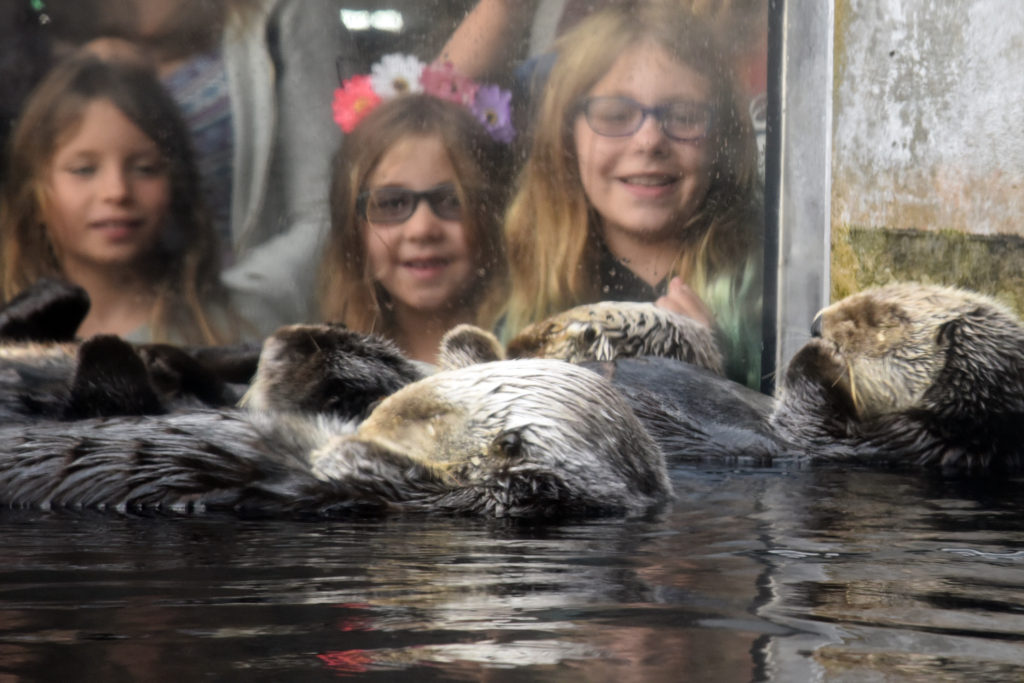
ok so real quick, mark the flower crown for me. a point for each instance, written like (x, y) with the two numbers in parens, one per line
(398, 74)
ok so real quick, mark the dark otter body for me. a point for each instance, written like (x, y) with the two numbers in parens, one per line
(105, 376)
(45, 373)
(693, 413)
(515, 438)
(327, 369)
(48, 311)
(313, 368)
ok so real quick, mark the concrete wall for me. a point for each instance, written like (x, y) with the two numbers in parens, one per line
(928, 137)
(929, 115)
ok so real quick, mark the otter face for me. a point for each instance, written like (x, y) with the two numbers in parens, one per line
(608, 330)
(513, 438)
(326, 369)
(885, 344)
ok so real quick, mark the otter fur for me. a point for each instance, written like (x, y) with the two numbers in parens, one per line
(909, 374)
(532, 438)
(691, 412)
(48, 311)
(327, 368)
(105, 376)
(47, 373)
(608, 330)
(916, 374)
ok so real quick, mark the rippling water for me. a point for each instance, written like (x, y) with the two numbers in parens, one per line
(751, 574)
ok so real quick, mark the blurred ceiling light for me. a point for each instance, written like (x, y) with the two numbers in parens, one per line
(381, 20)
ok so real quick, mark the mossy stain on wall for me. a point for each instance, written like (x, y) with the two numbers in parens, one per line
(865, 257)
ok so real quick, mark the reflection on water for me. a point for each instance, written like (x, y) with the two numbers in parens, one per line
(753, 574)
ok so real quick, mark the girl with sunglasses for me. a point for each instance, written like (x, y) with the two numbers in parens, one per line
(415, 245)
(642, 182)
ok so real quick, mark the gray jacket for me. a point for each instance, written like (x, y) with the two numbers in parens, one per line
(283, 61)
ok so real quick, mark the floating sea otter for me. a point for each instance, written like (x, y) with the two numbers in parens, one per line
(46, 373)
(918, 374)
(690, 409)
(911, 374)
(608, 330)
(512, 438)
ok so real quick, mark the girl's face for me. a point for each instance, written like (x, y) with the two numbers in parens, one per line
(645, 184)
(424, 261)
(109, 191)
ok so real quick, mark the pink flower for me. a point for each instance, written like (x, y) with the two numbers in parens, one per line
(442, 81)
(354, 100)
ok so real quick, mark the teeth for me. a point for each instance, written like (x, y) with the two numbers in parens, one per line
(648, 180)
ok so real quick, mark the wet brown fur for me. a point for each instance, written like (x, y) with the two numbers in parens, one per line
(608, 330)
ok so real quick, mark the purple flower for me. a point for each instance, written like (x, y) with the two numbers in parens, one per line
(492, 106)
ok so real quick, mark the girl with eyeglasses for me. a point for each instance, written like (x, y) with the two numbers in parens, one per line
(415, 245)
(641, 182)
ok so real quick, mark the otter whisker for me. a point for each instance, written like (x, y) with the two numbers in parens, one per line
(853, 387)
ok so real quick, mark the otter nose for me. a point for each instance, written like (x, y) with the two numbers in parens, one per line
(816, 326)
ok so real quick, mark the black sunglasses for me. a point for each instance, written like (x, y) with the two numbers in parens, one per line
(397, 204)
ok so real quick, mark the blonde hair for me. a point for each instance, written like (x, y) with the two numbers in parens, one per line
(551, 227)
(187, 268)
(348, 291)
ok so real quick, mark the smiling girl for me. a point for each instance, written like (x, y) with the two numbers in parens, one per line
(102, 190)
(415, 245)
(641, 183)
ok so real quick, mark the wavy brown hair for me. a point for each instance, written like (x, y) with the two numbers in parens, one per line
(552, 231)
(185, 272)
(348, 292)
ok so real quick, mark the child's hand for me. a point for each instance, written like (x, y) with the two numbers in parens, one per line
(118, 49)
(683, 300)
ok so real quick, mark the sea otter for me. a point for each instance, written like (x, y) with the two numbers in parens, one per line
(47, 373)
(916, 374)
(48, 311)
(105, 376)
(530, 438)
(608, 330)
(327, 368)
(912, 374)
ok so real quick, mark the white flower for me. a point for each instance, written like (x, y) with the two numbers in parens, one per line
(396, 74)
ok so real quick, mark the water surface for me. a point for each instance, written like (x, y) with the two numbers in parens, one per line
(778, 574)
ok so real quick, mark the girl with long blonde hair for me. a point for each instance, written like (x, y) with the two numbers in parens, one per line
(641, 182)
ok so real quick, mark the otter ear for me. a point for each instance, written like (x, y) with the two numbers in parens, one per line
(948, 333)
(508, 444)
(466, 345)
